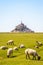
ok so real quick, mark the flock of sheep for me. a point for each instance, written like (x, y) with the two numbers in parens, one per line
(28, 51)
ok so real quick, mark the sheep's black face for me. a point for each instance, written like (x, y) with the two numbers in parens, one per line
(39, 57)
(8, 56)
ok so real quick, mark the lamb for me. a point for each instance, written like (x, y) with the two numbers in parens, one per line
(32, 52)
(15, 48)
(3, 47)
(9, 52)
(39, 43)
(21, 46)
(37, 47)
(10, 42)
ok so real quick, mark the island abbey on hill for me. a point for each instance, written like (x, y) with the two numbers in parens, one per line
(21, 28)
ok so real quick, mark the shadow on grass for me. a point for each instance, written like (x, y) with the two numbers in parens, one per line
(13, 56)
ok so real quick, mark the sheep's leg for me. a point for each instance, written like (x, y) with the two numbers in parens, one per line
(12, 53)
(28, 56)
(13, 43)
(34, 57)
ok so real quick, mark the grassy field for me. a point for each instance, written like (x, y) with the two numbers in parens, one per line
(29, 40)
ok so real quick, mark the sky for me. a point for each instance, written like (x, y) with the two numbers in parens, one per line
(12, 12)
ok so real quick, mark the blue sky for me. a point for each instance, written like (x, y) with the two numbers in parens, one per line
(13, 11)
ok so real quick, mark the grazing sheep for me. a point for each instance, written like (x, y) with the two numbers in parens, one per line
(21, 46)
(3, 47)
(15, 48)
(10, 42)
(39, 43)
(32, 52)
(9, 52)
(37, 47)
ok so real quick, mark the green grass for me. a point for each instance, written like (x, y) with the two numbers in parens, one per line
(29, 40)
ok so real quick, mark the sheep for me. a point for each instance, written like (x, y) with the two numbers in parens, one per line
(15, 48)
(36, 47)
(9, 52)
(39, 43)
(3, 47)
(21, 46)
(10, 42)
(32, 52)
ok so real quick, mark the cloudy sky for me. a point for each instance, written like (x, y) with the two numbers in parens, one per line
(12, 12)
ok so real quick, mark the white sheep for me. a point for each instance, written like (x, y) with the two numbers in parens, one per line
(32, 52)
(3, 47)
(39, 43)
(10, 42)
(22, 46)
(9, 52)
(15, 48)
(37, 47)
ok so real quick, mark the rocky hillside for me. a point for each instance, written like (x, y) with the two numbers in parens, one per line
(21, 28)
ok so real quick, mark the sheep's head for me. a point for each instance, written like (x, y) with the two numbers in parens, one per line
(39, 57)
(8, 56)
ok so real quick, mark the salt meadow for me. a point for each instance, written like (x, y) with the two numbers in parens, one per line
(19, 58)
